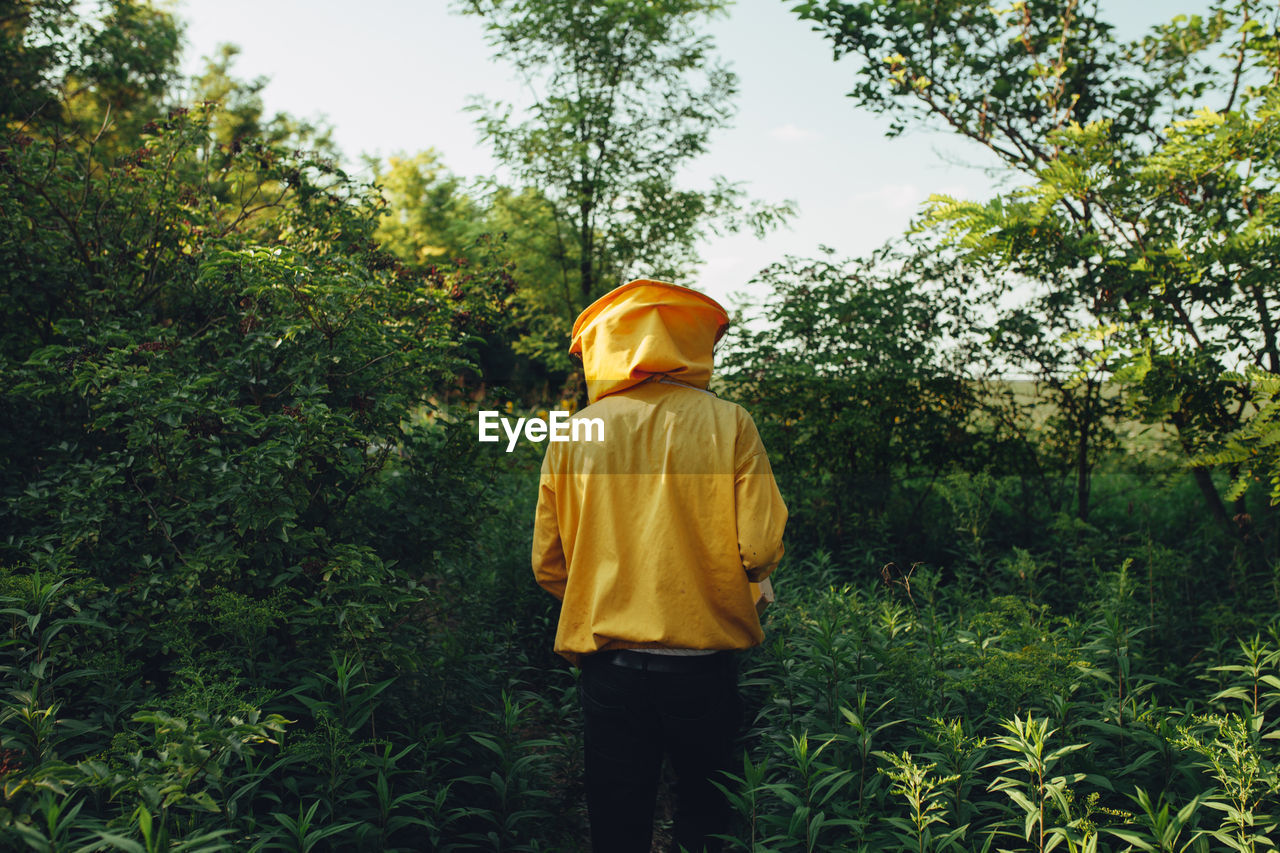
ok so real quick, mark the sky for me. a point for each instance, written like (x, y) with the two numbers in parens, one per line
(393, 76)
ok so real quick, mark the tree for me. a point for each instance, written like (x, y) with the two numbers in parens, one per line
(540, 321)
(625, 92)
(1149, 166)
(429, 218)
(1070, 421)
(860, 394)
(30, 51)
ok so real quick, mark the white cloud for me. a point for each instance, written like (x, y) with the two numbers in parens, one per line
(895, 197)
(956, 191)
(790, 133)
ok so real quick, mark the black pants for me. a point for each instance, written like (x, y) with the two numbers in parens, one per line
(633, 716)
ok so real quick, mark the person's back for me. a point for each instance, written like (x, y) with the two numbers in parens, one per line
(650, 517)
(651, 537)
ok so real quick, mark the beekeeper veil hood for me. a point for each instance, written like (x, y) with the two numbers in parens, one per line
(644, 328)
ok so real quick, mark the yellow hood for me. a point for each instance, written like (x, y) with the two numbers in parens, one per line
(645, 328)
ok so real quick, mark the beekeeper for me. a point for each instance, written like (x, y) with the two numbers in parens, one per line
(655, 540)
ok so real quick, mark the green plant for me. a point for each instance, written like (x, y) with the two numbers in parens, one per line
(926, 828)
(1031, 784)
(811, 790)
(1161, 829)
(301, 833)
(1229, 748)
(959, 756)
(1256, 686)
(513, 790)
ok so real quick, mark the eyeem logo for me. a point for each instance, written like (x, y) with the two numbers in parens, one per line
(559, 427)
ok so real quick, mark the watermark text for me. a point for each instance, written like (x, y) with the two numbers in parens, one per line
(557, 427)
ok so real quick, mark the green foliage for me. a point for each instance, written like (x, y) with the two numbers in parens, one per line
(1030, 787)
(428, 216)
(30, 56)
(853, 387)
(260, 589)
(233, 475)
(508, 812)
(1004, 75)
(1146, 216)
(1228, 748)
(1253, 450)
(1061, 767)
(924, 794)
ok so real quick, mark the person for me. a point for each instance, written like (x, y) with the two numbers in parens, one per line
(653, 538)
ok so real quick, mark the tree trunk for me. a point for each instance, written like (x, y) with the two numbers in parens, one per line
(1084, 473)
(1213, 502)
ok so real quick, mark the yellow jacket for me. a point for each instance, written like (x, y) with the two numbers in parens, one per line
(652, 536)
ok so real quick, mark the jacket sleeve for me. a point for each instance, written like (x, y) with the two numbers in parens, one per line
(762, 516)
(549, 567)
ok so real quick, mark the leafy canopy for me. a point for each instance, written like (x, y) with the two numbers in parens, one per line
(1147, 201)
